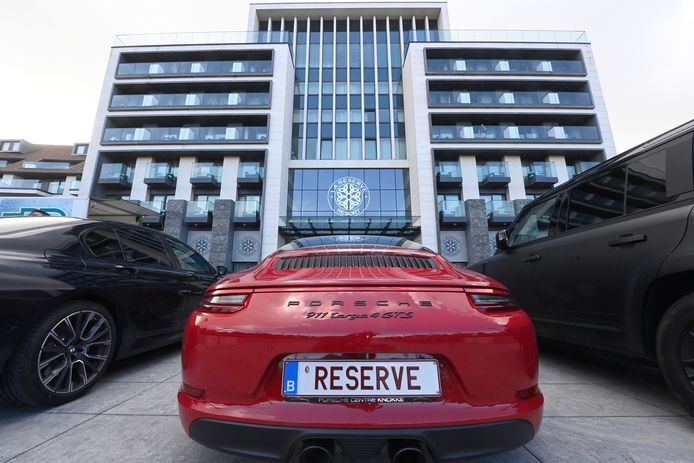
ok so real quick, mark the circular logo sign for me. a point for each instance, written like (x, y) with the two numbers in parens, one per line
(247, 246)
(348, 196)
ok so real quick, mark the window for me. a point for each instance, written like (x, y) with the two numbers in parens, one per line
(535, 224)
(9, 146)
(80, 149)
(188, 259)
(143, 248)
(597, 200)
(103, 244)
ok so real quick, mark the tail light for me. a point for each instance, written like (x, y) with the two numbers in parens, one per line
(227, 303)
(491, 301)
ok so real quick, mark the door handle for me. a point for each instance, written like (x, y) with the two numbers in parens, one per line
(128, 270)
(532, 258)
(628, 239)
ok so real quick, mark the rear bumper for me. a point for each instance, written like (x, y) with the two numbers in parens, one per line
(279, 443)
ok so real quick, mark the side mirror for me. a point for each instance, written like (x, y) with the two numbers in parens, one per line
(222, 270)
(502, 239)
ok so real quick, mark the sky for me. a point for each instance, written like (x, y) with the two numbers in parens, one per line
(53, 54)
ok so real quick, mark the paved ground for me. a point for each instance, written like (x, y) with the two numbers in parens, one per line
(595, 411)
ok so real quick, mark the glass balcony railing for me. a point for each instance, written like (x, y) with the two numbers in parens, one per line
(529, 133)
(50, 165)
(448, 169)
(185, 134)
(498, 35)
(201, 38)
(504, 66)
(156, 206)
(251, 170)
(499, 208)
(3, 163)
(164, 68)
(247, 209)
(199, 208)
(156, 170)
(539, 169)
(580, 167)
(207, 170)
(75, 185)
(174, 100)
(56, 187)
(517, 98)
(452, 208)
(116, 171)
(492, 169)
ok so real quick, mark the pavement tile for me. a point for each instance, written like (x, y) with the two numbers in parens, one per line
(554, 375)
(521, 455)
(593, 400)
(617, 440)
(118, 438)
(101, 397)
(159, 400)
(24, 430)
(175, 379)
(154, 371)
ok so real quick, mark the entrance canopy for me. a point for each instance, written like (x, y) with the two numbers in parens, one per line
(302, 227)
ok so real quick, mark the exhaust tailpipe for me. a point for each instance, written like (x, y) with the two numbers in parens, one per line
(316, 452)
(409, 451)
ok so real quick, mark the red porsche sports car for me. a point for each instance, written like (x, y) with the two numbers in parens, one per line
(359, 348)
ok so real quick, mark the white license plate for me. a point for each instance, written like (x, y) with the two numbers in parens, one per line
(400, 378)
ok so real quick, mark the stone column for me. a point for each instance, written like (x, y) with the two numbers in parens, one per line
(477, 231)
(519, 204)
(175, 219)
(222, 233)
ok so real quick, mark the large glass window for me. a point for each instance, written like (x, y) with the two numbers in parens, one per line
(597, 200)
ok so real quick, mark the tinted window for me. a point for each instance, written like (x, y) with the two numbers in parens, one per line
(103, 243)
(143, 248)
(597, 200)
(535, 224)
(188, 259)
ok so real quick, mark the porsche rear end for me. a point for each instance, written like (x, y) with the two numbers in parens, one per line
(359, 356)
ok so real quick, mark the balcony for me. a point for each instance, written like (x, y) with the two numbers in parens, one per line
(201, 38)
(46, 165)
(247, 212)
(39, 187)
(580, 167)
(158, 206)
(540, 175)
(250, 175)
(161, 174)
(466, 133)
(178, 135)
(116, 173)
(493, 174)
(199, 212)
(500, 212)
(452, 213)
(448, 174)
(206, 175)
(188, 100)
(195, 68)
(462, 98)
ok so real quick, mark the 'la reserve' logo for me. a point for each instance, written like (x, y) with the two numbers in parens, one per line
(348, 196)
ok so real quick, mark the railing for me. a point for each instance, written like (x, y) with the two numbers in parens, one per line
(30, 184)
(452, 208)
(247, 208)
(251, 169)
(503, 35)
(448, 168)
(52, 165)
(492, 169)
(580, 167)
(75, 185)
(156, 206)
(160, 170)
(500, 98)
(173, 100)
(116, 171)
(163, 68)
(504, 66)
(529, 133)
(201, 38)
(184, 134)
(199, 208)
(499, 208)
(540, 169)
(207, 169)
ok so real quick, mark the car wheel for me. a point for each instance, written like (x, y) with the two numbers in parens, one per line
(62, 357)
(675, 350)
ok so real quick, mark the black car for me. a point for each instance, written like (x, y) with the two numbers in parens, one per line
(607, 259)
(76, 294)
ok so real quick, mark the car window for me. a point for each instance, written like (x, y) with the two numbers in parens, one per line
(597, 200)
(103, 244)
(143, 248)
(535, 224)
(188, 259)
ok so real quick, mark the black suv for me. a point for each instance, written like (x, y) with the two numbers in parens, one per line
(607, 259)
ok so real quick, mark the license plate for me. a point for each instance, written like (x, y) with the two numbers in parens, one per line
(410, 378)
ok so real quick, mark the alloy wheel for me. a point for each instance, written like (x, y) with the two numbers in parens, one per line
(75, 350)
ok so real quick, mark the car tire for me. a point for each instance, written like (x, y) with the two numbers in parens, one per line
(62, 357)
(675, 350)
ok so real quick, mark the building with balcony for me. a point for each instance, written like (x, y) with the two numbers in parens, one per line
(357, 118)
